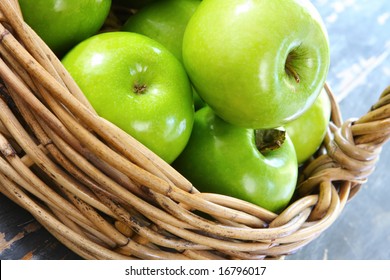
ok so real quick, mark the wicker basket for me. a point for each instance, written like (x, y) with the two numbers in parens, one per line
(105, 196)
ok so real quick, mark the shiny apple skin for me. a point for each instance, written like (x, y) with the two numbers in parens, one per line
(164, 21)
(137, 84)
(308, 131)
(235, 52)
(223, 158)
(64, 23)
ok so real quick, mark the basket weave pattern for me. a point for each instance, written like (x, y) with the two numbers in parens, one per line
(105, 196)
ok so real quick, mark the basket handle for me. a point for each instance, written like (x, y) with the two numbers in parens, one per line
(352, 147)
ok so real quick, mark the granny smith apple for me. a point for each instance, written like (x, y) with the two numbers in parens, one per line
(227, 159)
(165, 21)
(137, 84)
(258, 64)
(308, 131)
(64, 23)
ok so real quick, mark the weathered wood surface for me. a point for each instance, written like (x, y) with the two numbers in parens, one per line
(22, 237)
(359, 32)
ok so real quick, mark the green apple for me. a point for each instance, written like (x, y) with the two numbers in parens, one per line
(308, 131)
(164, 21)
(137, 84)
(227, 159)
(64, 23)
(258, 64)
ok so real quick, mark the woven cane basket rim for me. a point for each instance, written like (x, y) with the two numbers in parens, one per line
(105, 196)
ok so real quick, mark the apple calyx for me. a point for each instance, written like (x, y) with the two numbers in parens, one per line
(269, 139)
(139, 88)
(289, 68)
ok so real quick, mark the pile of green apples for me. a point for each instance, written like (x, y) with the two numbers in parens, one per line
(230, 92)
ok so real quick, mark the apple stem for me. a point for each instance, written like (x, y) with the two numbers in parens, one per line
(291, 71)
(269, 139)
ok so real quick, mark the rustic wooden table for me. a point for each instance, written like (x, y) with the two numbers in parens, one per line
(359, 33)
